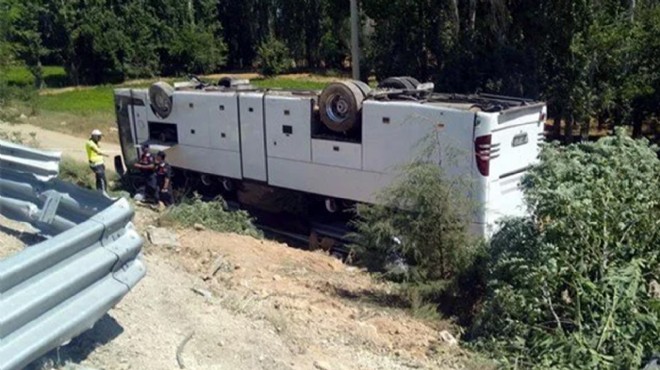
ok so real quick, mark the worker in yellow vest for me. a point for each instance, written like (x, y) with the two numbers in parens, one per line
(95, 158)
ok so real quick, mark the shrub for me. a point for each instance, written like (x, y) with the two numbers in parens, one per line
(273, 57)
(568, 286)
(430, 217)
(213, 215)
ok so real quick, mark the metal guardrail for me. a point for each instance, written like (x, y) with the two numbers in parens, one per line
(55, 290)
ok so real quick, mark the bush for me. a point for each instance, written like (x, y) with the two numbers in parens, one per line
(213, 215)
(569, 286)
(430, 217)
(273, 57)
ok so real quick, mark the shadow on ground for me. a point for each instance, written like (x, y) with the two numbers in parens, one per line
(26, 238)
(103, 332)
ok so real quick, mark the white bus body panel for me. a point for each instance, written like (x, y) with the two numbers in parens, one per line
(139, 113)
(337, 153)
(211, 161)
(288, 127)
(253, 144)
(331, 181)
(396, 133)
(208, 133)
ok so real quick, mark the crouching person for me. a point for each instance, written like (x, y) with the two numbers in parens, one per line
(163, 171)
(146, 166)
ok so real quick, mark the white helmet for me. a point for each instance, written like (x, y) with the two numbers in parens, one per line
(96, 133)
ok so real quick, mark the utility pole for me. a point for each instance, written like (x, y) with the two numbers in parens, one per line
(355, 40)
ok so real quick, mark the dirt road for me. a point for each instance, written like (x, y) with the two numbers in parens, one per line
(70, 146)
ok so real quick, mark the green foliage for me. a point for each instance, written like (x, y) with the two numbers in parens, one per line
(568, 287)
(25, 33)
(429, 214)
(273, 57)
(197, 50)
(214, 215)
(54, 76)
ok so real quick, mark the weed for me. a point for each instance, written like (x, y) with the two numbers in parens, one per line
(76, 172)
(214, 215)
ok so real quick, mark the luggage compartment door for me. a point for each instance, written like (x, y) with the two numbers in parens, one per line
(253, 138)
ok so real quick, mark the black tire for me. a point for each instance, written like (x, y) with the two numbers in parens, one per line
(362, 86)
(340, 106)
(399, 83)
(413, 81)
(160, 96)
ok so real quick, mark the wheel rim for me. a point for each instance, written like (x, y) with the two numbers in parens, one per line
(227, 185)
(206, 180)
(330, 205)
(337, 108)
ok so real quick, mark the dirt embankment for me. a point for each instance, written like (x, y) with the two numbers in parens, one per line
(255, 304)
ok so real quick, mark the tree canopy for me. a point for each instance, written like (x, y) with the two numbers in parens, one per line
(589, 59)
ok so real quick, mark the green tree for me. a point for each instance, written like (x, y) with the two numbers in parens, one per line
(569, 285)
(273, 57)
(25, 34)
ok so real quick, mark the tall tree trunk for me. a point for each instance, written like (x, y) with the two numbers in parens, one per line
(37, 72)
(568, 129)
(601, 121)
(637, 128)
(472, 16)
(456, 15)
(584, 130)
(556, 127)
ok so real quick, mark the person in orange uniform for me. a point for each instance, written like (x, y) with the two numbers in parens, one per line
(95, 157)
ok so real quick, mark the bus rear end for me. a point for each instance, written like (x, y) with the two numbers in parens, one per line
(506, 145)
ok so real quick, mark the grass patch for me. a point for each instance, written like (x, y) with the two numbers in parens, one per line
(83, 101)
(80, 174)
(214, 215)
(76, 172)
(288, 83)
(54, 76)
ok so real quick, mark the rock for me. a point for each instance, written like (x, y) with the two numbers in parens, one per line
(277, 277)
(199, 227)
(203, 292)
(446, 337)
(321, 365)
(63, 123)
(114, 129)
(162, 237)
(23, 116)
(72, 366)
